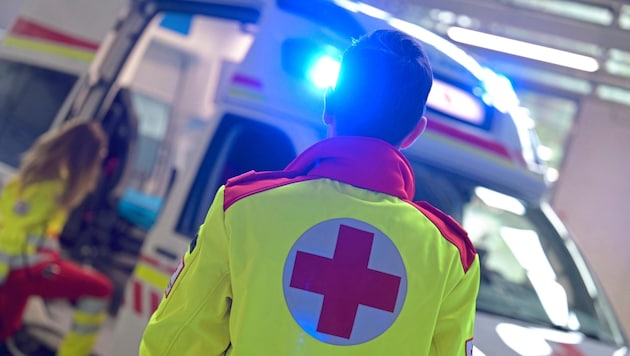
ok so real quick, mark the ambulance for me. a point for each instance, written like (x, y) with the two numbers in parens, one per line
(194, 92)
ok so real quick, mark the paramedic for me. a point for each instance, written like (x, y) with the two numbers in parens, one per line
(59, 170)
(331, 256)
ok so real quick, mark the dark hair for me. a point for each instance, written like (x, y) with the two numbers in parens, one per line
(382, 88)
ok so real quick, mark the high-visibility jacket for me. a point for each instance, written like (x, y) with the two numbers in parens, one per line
(31, 220)
(328, 257)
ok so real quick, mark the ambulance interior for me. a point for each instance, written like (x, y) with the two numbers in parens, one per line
(166, 107)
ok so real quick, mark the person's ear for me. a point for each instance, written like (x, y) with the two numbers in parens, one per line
(415, 133)
(329, 107)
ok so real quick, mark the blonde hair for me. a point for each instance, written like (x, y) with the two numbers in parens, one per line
(73, 154)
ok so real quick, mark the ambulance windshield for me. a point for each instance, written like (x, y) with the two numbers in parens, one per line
(528, 271)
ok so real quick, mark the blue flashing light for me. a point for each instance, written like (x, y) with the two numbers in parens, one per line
(323, 73)
(316, 63)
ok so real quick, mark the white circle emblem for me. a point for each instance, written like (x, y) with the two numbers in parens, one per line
(344, 282)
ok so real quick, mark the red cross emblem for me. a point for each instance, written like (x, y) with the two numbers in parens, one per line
(345, 282)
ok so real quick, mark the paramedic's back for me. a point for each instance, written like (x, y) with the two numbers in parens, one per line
(331, 256)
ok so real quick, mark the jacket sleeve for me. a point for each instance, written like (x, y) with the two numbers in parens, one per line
(26, 213)
(192, 318)
(455, 326)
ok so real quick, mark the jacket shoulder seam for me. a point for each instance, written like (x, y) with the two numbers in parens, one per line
(450, 230)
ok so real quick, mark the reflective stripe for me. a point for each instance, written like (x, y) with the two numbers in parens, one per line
(89, 315)
(42, 242)
(30, 257)
(4, 273)
(85, 328)
(4, 267)
(88, 319)
(4, 258)
(27, 260)
(90, 305)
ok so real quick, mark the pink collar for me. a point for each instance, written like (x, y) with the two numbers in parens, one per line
(363, 162)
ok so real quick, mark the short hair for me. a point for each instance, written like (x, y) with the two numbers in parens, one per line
(382, 88)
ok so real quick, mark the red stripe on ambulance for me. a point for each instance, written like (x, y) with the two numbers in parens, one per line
(142, 292)
(162, 267)
(27, 28)
(473, 140)
(137, 297)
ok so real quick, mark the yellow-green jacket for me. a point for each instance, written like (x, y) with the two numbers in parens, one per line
(328, 257)
(30, 222)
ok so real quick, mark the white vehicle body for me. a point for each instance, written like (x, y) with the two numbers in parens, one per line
(193, 92)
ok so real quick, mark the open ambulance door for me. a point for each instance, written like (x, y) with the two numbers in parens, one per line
(140, 88)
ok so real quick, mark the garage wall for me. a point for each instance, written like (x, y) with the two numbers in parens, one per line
(593, 196)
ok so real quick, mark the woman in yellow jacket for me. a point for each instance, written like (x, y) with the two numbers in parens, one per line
(56, 174)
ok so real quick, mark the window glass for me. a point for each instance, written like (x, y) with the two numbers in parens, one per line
(554, 116)
(153, 118)
(153, 99)
(241, 145)
(527, 271)
(30, 98)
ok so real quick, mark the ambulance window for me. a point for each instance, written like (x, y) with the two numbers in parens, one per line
(30, 97)
(444, 192)
(173, 80)
(153, 120)
(241, 145)
(527, 272)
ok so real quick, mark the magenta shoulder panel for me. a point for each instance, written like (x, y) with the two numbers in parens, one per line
(252, 182)
(452, 231)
